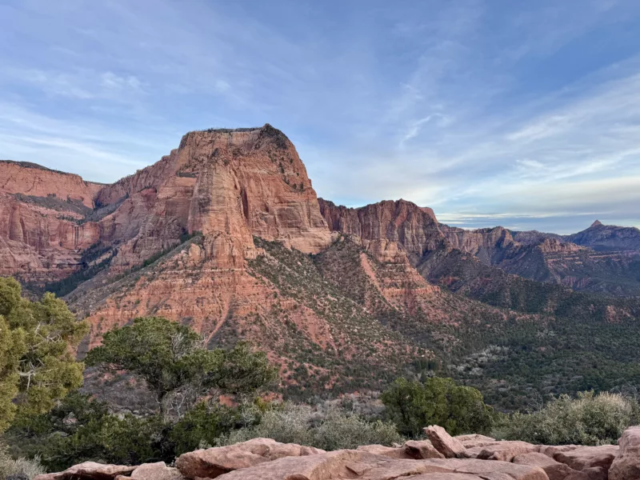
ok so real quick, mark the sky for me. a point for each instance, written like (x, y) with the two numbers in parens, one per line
(520, 114)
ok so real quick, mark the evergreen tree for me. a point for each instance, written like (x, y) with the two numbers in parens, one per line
(37, 352)
(413, 405)
(176, 366)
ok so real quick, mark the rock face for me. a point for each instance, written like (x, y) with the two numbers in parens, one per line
(400, 222)
(41, 237)
(227, 184)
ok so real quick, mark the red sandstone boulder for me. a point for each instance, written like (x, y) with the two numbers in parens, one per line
(89, 471)
(214, 462)
(626, 465)
(582, 458)
(554, 470)
(506, 451)
(391, 452)
(156, 471)
(342, 464)
(421, 449)
(552, 450)
(597, 473)
(443, 442)
(475, 440)
(448, 476)
(491, 470)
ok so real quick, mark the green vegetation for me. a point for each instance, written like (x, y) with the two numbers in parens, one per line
(336, 429)
(37, 366)
(587, 420)
(96, 259)
(19, 466)
(174, 363)
(413, 405)
(176, 366)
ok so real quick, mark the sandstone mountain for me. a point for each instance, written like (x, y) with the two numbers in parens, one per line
(601, 259)
(226, 234)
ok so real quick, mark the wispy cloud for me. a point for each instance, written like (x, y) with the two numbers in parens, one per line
(489, 112)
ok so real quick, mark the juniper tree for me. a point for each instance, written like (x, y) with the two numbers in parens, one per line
(177, 366)
(37, 352)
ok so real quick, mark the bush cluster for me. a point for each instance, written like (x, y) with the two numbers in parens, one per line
(589, 419)
(19, 466)
(334, 430)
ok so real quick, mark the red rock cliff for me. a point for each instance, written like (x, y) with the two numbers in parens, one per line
(414, 228)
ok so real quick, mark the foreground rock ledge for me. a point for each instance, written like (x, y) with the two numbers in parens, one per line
(442, 457)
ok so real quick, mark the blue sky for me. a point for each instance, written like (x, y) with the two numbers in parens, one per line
(522, 114)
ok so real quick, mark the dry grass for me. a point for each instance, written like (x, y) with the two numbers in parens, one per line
(11, 466)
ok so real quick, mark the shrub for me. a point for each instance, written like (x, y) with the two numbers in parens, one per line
(413, 405)
(587, 420)
(37, 366)
(334, 430)
(203, 424)
(9, 466)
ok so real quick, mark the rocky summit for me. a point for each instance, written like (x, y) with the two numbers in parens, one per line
(226, 234)
(441, 457)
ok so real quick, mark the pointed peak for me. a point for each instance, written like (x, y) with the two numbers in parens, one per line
(595, 224)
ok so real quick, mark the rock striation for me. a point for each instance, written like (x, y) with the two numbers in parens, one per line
(41, 234)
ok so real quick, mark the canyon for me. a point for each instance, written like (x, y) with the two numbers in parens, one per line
(226, 234)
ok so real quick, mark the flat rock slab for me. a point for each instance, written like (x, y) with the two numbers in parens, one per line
(89, 471)
(341, 464)
(581, 458)
(492, 470)
(391, 452)
(475, 440)
(505, 451)
(213, 462)
(357, 464)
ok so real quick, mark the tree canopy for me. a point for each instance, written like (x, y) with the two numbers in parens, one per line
(37, 352)
(176, 365)
(413, 405)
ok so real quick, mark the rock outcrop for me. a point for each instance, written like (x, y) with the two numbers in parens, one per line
(227, 184)
(443, 442)
(403, 223)
(213, 462)
(41, 235)
(266, 459)
(89, 470)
